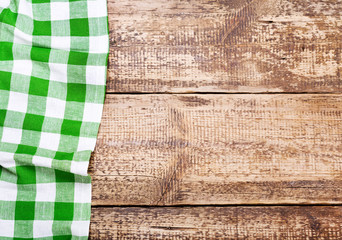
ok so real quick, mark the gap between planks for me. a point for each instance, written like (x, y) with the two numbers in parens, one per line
(223, 93)
(222, 205)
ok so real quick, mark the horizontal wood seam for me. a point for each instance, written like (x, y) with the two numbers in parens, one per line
(223, 93)
(222, 205)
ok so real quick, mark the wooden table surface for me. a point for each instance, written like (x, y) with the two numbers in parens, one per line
(222, 120)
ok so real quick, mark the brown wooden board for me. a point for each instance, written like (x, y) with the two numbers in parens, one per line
(163, 152)
(225, 46)
(298, 223)
(172, 149)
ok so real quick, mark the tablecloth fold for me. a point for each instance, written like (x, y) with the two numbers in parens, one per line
(53, 62)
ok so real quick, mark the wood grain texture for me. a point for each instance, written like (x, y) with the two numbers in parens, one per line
(300, 223)
(219, 149)
(225, 46)
(212, 149)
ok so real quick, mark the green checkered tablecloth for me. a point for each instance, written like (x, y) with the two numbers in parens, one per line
(53, 60)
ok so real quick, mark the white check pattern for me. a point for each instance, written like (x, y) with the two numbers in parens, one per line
(53, 62)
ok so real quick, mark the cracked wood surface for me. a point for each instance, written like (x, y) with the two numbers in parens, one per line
(219, 149)
(169, 150)
(225, 46)
(217, 223)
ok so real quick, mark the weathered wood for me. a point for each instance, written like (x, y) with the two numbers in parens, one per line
(298, 223)
(219, 149)
(225, 46)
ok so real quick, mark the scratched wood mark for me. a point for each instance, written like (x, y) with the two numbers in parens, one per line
(217, 223)
(225, 46)
(219, 149)
(168, 156)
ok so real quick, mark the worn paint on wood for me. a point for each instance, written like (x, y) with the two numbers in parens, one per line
(272, 223)
(219, 149)
(225, 46)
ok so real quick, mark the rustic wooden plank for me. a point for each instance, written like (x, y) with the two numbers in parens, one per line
(219, 149)
(299, 223)
(225, 46)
